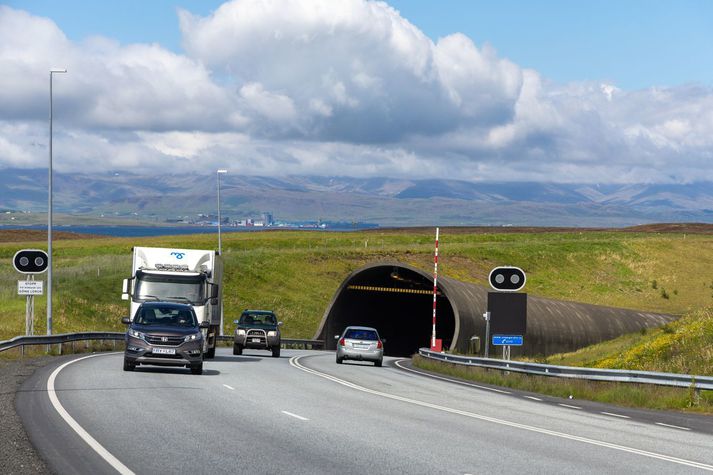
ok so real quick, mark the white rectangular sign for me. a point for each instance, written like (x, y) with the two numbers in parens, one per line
(29, 287)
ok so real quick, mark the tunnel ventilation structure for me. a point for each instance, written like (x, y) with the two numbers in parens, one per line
(397, 300)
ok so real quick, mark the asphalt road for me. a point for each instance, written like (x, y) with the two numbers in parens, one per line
(302, 413)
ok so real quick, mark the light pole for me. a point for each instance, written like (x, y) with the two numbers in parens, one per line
(220, 243)
(49, 218)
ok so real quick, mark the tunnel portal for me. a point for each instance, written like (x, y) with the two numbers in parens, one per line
(397, 301)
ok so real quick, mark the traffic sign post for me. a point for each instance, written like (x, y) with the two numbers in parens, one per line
(30, 262)
(507, 309)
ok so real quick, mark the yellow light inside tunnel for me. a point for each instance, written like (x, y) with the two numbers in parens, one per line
(370, 288)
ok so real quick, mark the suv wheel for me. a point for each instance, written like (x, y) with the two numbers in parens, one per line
(128, 366)
(275, 351)
(210, 354)
(237, 349)
(197, 369)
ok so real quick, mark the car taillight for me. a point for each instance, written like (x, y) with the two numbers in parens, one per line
(341, 342)
(379, 345)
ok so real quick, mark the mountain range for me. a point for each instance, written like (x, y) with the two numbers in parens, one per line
(384, 201)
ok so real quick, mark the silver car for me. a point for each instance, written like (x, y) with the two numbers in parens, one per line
(360, 343)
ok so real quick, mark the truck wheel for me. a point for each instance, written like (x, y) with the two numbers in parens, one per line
(237, 349)
(197, 369)
(128, 366)
(275, 351)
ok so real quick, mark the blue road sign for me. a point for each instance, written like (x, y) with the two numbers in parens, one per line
(507, 340)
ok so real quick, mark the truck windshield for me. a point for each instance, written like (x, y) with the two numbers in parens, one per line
(165, 316)
(185, 289)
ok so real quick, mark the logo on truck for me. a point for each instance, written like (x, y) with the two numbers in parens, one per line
(179, 255)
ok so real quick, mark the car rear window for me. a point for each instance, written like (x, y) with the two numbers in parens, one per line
(361, 335)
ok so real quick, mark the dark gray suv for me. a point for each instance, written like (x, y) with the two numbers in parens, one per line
(164, 334)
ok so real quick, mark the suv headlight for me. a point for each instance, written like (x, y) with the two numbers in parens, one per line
(272, 333)
(192, 337)
(240, 332)
(136, 334)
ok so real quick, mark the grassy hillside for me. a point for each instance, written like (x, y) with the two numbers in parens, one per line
(683, 346)
(297, 273)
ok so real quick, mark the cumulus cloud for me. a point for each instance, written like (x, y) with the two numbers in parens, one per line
(346, 87)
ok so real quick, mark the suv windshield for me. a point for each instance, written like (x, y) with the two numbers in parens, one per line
(257, 319)
(189, 289)
(166, 316)
(361, 335)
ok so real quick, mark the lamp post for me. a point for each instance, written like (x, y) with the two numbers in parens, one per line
(49, 217)
(220, 243)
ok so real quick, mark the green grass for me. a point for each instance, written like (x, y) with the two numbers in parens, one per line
(297, 273)
(684, 346)
(621, 394)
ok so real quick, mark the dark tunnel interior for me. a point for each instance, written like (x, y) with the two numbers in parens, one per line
(398, 302)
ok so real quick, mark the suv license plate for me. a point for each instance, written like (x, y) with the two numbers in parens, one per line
(256, 340)
(164, 351)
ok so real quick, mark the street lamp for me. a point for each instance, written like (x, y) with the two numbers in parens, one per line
(220, 243)
(49, 218)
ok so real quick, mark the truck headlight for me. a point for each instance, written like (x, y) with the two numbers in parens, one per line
(192, 337)
(272, 333)
(240, 332)
(136, 334)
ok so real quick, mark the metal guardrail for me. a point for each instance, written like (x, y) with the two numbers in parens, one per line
(58, 339)
(597, 374)
(306, 344)
(119, 336)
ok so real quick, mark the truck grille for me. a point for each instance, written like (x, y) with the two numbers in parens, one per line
(164, 340)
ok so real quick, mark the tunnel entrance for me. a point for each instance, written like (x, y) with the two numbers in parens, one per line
(397, 301)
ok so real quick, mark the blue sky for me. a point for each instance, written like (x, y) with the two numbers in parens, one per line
(550, 91)
(633, 44)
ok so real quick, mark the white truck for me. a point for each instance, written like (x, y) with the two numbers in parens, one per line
(179, 275)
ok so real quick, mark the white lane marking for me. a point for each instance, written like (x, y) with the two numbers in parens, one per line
(96, 446)
(450, 380)
(229, 387)
(669, 425)
(533, 398)
(570, 406)
(615, 415)
(294, 361)
(295, 416)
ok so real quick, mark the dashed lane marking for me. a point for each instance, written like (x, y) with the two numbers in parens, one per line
(615, 415)
(295, 416)
(672, 426)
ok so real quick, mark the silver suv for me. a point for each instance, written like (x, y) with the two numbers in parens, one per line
(360, 343)
(164, 334)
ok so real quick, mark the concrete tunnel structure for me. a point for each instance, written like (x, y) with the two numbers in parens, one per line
(397, 300)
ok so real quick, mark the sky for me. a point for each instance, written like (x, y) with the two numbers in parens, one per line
(561, 91)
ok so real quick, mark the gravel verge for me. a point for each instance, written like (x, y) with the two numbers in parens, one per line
(17, 455)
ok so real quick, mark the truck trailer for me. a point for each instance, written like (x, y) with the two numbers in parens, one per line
(189, 276)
